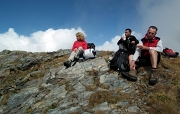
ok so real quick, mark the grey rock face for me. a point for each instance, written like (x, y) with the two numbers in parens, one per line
(61, 91)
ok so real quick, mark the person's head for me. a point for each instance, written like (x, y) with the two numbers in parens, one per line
(152, 31)
(128, 32)
(80, 36)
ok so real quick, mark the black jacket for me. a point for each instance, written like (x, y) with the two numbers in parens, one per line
(127, 43)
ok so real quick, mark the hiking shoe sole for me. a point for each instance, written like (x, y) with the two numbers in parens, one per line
(153, 82)
(128, 76)
(67, 65)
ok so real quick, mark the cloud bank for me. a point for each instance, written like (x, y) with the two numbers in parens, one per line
(165, 15)
(112, 45)
(50, 40)
(40, 41)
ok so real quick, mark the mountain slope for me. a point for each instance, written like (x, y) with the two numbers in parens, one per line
(39, 83)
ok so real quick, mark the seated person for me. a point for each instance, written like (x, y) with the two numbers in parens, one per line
(77, 49)
(129, 42)
(148, 52)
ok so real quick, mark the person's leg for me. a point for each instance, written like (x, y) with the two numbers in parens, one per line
(130, 58)
(79, 52)
(72, 55)
(70, 59)
(132, 72)
(153, 58)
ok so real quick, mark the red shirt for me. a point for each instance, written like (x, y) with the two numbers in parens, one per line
(78, 44)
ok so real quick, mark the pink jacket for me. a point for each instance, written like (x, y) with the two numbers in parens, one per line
(78, 44)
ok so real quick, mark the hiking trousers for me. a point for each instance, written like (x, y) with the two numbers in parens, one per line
(76, 54)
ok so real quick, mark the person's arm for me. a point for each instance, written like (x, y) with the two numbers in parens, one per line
(137, 53)
(118, 42)
(159, 47)
(136, 40)
(123, 37)
(135, 57)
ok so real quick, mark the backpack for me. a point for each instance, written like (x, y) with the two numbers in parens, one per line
(90, 52)
(90, 46)
(170, 53)
(120, 60)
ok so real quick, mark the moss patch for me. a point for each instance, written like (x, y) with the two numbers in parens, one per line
(105, 96)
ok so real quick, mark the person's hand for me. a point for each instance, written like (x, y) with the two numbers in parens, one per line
(133, 42)
(75, 49)
(123, 37)
(142, 47)
(132, 64)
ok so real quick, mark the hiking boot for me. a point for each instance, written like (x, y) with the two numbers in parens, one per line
(133, 73)
(153, 77)
(67, 64)
(128, 77)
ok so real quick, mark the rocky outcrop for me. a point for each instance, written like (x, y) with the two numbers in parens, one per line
(38, 83)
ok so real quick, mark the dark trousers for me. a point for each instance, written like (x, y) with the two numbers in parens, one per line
(145, 61)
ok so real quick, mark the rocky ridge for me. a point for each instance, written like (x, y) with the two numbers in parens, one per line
(38, 83)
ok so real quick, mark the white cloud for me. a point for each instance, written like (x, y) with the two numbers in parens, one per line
(165, 15)
(40, 41)
(112, 45)
(137, 35)
(49, 40)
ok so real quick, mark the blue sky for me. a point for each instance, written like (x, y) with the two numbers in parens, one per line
(49, 25)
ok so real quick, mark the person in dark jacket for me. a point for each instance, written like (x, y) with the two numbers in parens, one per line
(129, 41)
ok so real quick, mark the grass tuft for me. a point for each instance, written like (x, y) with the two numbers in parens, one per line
(105, 96)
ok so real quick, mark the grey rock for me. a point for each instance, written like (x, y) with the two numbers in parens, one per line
(103, 107)
(40, 94)
(133, 109)
(122, 103)
(16, 100)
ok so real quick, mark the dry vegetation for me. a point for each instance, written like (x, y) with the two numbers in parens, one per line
(96, 84)
(106, 55)
(164, 97)
(106, 96)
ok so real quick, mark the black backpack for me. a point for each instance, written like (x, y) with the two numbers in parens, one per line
(120, 60)
(91, 53)
(91, 46)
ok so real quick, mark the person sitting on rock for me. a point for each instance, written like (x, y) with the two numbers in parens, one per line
(148, 53)
(77, 49)
(129, 42)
